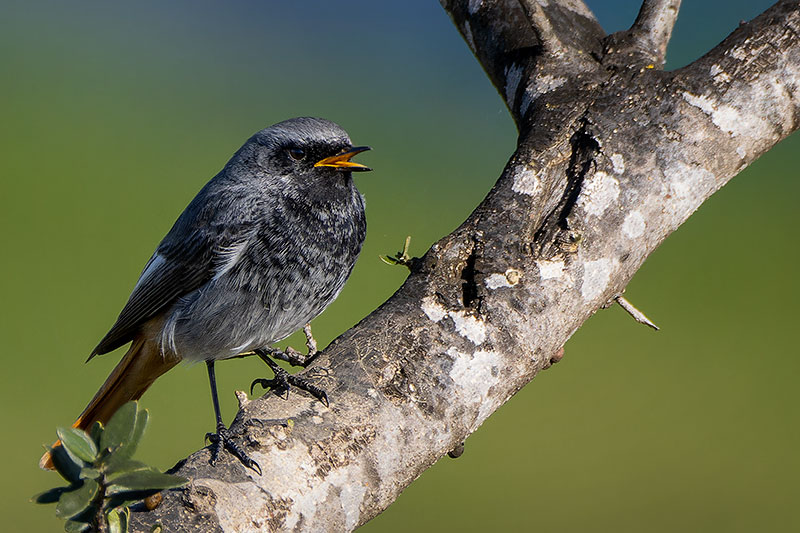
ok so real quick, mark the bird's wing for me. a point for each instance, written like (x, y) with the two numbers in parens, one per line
(183, 262)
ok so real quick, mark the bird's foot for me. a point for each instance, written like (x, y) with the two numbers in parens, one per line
(283, 381)
(292, 356)
(223, 439)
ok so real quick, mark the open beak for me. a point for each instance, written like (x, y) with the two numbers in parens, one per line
(341, 161)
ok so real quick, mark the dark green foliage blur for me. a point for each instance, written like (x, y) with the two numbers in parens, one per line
(115, 114)
(103, 478)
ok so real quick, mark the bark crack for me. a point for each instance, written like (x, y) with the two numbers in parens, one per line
(556, 236)
(469, 286)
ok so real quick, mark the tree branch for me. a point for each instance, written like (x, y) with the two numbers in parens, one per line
(609, 162)
(653, 28)
(528, 49)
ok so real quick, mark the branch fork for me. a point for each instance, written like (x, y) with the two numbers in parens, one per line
(613, 155)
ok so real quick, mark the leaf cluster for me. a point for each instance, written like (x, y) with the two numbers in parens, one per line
(103, 478)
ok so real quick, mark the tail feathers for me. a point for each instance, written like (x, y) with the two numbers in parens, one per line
(138, 369)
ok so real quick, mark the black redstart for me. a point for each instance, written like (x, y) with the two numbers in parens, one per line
(261, 250)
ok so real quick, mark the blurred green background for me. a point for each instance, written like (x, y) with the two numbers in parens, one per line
(114, 115)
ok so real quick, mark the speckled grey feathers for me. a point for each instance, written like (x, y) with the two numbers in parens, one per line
(262, 249)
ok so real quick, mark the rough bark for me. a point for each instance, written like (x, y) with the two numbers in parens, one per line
(613, 155)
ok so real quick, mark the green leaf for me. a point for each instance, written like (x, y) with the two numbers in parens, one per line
(89, 473)
(128, 448)
(73, 503)
(67, 464)
(145, 480)
(76, 526)
(119, 467)
(118, 430)
(96, 431)
(50, 496)
(114, 522)
(125, 519)
(79, 443)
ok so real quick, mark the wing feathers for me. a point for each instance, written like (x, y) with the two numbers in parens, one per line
(172, 272)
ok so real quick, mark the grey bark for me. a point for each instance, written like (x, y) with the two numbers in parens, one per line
(613, 155)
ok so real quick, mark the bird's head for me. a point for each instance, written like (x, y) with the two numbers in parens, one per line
(302, 148)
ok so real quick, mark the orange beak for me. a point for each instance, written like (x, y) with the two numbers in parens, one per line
(341, 161)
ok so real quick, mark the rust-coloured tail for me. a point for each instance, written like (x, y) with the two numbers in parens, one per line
(134, 374)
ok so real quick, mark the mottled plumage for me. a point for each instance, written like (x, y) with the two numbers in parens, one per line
(261, 250)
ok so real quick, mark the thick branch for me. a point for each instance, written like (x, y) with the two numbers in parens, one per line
(602, 175)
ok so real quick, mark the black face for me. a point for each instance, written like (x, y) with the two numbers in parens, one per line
(304, 146)
(303, 156)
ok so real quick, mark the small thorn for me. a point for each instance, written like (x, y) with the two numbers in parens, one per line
(241, 397)
(637, 315)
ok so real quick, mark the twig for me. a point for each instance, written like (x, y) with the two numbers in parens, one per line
(653, 27)
(637, 315)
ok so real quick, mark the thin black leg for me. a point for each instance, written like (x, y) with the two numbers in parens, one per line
(212, 380)
(223, 438)
(283, 380)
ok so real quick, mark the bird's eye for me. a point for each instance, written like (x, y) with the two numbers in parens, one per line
(297, 153)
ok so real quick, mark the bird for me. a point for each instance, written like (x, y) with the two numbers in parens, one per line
(264, 247)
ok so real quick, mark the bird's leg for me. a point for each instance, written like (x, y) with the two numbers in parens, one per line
(223, 438)
(292, 356)
(283, 380)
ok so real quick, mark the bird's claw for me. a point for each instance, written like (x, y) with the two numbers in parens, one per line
(223, 439)
(277, 386)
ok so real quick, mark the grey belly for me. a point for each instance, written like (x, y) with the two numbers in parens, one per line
(221, 320)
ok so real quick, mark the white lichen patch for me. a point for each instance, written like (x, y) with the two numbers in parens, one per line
(433, 309)
(351, 496)
(576, 6)
(526, 103)
(306, 499)
(599, 191)
(719, 75)
(618, 162)
(513, 75)
(728, 118)
(550, 269)
(509, 278)
(230, 515)
(474, 375)
(469, 327)
(526, 181)
(684, 183)
(739, 53)
(596, 276)
(634, 224)
(468, 35)
(539, 86)
(474, 6)
(741, 152)
(544, 84)
(495, 281)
